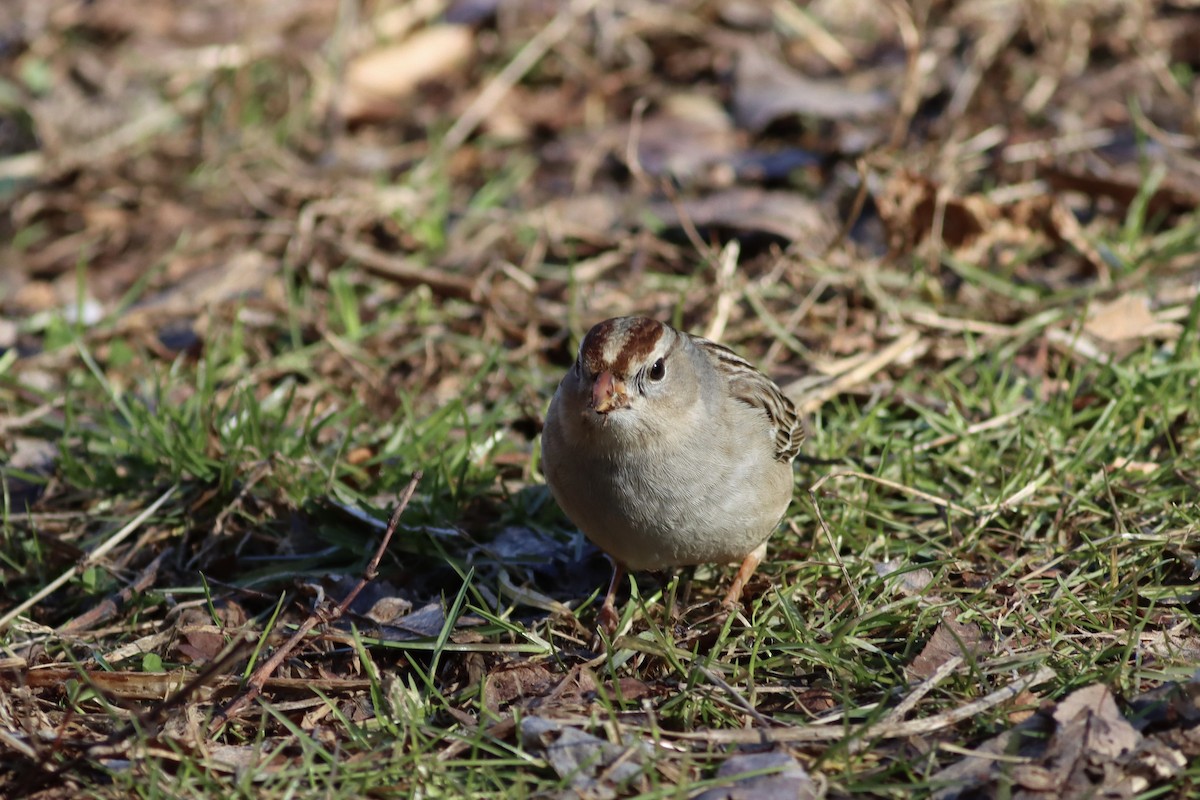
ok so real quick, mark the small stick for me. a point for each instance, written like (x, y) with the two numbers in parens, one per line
(997, 421)
(224, 661)
(900, 487)
(833, 548)
(726, 295)
(734, 695)
(29, 417)
(525, 59)
(879, 730)
(88, 560)
(152, 717)
(259, 679)
(808, 400)
(109, 607)
(906, 705)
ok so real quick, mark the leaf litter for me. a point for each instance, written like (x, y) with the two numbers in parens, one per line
(903, 185)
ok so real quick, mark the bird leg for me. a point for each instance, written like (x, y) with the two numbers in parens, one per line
(743, 574)
(609, 619)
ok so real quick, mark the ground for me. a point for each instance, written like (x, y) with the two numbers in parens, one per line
(269, 267)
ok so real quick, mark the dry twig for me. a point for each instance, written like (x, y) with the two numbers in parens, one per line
(879, 730)
(89, 560)
(108, 608)
(258, 680)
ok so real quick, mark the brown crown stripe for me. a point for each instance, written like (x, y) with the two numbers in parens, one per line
(616, 345)
(641, 335)
(591, 350)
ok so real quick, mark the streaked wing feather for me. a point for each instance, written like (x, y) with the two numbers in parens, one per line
(757, 390)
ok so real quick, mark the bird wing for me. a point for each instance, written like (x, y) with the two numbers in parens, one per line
(755, 389)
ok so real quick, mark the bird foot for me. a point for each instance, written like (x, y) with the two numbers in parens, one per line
(745, 571)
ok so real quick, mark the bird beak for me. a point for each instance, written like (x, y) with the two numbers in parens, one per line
(608, 393)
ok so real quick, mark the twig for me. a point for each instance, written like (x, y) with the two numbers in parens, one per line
(932, 498)
(812, 399)
(404, 270)
(833, 548)
(487, 100)
(258, 680)
(113, 603)
(998, 421)
(87, 560)
(1017, 496)
(878, 730)
(856, 208)
(805, 26)
(686, 223)
(29, 417)
(632, 160)
(218, 666)
(9, 740)
(910, 95)
(923, 688)
(726, 267)
(152, 717)
(734, 695)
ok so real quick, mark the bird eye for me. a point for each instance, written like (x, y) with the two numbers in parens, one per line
(658, 371)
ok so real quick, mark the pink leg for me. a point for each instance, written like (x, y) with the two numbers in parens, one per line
(609, 619)
(743, 574)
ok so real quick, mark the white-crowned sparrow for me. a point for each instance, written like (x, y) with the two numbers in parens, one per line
(667, 449)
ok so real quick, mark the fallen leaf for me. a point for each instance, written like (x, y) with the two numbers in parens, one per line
(1083, 747)
(378, 79)
(201, 643)
(595, 768)
(1128, 318)
(786, 779)
(690, 136)
(1091, 715)
(903, 578)
(951, 638)
(591, 218)
(788, 215)
(767, 90)
(977, 228)
(517, 680)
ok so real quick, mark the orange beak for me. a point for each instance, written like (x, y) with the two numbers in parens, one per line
(608, 393)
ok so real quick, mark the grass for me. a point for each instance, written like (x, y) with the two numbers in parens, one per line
(1069, 559)
(1007, 470)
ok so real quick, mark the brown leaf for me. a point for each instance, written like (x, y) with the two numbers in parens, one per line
(379, 78)
(1090, 714)
(1178, 194)
(515, 680)
(588, 217)
(690, 137)
(1128, 317)
(595, 768)
(788, 215)
(630, 689)
(909, 206)
(787, 779)
(906, 581)
(201, 643)
(952, 638)
(388, 610)
(768, 90)
(1083, 747)
(913, 207)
